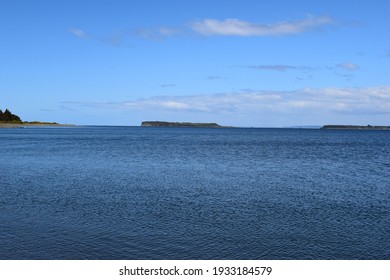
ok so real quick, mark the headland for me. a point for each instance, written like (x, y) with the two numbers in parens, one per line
(356, 127)
(180, 124)
(10, 120)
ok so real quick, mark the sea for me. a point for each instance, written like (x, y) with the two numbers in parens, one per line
(145, 193)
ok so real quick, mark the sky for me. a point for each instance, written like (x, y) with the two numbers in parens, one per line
(248, 63)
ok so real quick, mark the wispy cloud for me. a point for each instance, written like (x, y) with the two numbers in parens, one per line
(167, 85)
(213, 77)
(212, 27)
(236, 27)
(79, 33)
(115, 39)
(157, 33)
(168, 31)
(280, 67)
(348, 66)
(371, 100)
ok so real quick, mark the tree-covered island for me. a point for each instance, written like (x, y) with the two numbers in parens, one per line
(356, 127)
(179, 124)
(8, 119)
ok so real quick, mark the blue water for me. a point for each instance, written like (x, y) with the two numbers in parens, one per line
(194, 193)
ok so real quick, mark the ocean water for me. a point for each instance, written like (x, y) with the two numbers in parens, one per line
(194, 193)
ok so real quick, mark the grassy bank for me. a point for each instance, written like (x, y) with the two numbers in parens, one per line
(29, 124)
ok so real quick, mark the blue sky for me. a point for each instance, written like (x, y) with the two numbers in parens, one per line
(242, 63)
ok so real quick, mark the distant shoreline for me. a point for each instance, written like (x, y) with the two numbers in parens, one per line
(356, 127)
(31, 124)
(180, 124)
(193, 125)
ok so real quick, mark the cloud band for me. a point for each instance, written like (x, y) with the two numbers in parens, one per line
(236, 27)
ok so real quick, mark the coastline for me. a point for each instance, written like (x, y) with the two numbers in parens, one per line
(180, 124)
(32, 124)
(356, 127)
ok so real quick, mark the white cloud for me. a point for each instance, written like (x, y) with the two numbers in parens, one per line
(278, 108)
(236, 27)
(174, 105)
(348, 100)
(209, 27)
(348, 66)
(373, 100)
(203, 103)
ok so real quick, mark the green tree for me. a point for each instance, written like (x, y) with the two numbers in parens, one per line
(7, 116)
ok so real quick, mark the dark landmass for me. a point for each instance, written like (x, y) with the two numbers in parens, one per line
(7, 116)
(9, 120)
(356, 127)
(304, 127)
(180, 124)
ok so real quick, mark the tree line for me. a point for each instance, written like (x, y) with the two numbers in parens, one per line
(7, 116)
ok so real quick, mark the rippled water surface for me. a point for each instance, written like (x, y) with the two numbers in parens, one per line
(193, 193)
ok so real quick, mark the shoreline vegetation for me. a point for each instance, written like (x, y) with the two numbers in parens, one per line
(356, 127)
(180, 124)
(9, 120)
(215, 125)
(31, 124)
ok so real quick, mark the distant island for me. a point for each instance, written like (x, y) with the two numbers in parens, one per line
(180, 124)
(356, 127)
(10, 120)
